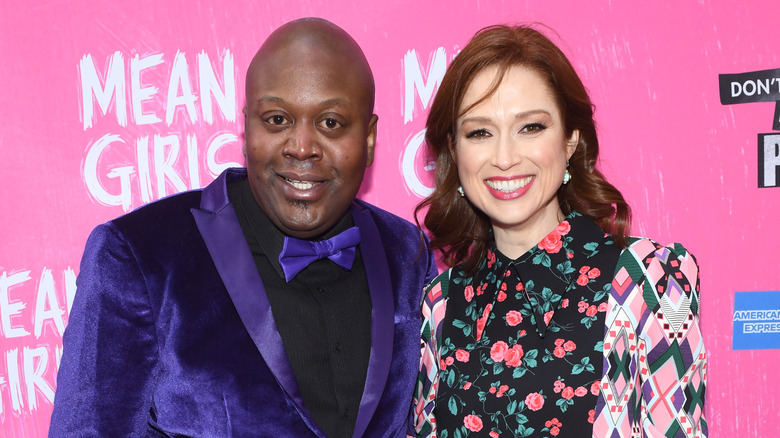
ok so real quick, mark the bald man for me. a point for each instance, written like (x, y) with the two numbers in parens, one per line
(270, 303)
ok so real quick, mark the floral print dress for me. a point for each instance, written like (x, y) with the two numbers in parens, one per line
(518, 348)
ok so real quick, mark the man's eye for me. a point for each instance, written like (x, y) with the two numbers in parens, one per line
(330, 123)
(275, 120)
(533, 127)
(478, 133)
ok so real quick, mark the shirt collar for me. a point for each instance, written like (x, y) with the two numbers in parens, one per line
(268, 237)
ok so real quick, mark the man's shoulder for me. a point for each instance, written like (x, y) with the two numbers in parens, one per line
(386, 220)
(160, 212)
(403, 242)
(151, 231)
(170, 210)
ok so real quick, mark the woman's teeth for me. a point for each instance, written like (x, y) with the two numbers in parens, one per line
(508, 186)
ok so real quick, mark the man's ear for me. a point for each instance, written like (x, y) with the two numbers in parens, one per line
(572, 142)
(371, 139)
(243, 148)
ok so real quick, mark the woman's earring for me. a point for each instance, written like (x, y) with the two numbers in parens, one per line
(566, 175)
(460, 190)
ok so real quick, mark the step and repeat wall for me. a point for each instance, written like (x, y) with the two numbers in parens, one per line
(107, 105)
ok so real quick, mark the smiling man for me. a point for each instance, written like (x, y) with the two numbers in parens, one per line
(271, 303)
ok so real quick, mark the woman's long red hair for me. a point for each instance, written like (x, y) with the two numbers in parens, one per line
(462, 232)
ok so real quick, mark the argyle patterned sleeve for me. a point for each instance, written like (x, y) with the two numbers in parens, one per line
(433, 310)
(655, 364)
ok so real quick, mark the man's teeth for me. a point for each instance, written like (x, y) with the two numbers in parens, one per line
(300, 185)
(510, 185)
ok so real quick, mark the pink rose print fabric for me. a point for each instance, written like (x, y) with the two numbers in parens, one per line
(515, 357)
(519, 349)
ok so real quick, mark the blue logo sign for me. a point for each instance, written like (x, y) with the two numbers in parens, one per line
(756, 320)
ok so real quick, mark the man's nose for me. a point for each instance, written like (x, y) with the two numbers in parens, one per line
(303, 143)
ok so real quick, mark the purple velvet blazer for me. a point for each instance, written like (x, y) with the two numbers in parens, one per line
(171, 332)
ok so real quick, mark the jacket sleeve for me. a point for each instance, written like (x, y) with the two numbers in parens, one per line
(653, 338)
(109, 346)
(433, 310)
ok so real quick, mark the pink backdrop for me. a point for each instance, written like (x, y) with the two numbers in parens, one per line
(686, 163)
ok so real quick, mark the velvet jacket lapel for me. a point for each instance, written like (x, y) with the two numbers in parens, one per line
(219, 227)
(382, 315)
(217, 222)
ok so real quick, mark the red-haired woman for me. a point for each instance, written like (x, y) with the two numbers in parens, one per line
(551, 320)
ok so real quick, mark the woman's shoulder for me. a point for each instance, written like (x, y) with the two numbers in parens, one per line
(436, 294)
(660, 267)
(440, 284)
(454, 277)
(643, 251)
(643, 246)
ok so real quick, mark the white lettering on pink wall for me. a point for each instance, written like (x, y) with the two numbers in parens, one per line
(136, 164)
(28, 358)
(417, 169)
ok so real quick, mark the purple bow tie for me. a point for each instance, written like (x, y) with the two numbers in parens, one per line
(298, 254)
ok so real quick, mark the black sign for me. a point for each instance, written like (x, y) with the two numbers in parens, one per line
(756, 86)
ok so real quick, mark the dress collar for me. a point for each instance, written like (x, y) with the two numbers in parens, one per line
(552, 267)
(575, 233)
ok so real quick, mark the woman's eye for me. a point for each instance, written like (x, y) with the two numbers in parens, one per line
(533, 127)
(478, 133)
(330, 123)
